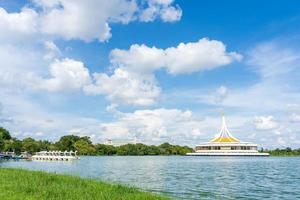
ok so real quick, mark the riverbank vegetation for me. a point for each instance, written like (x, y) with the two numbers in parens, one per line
(23, 184)
(283, 152)
(84, 146)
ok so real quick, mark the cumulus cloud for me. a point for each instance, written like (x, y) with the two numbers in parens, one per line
(198, 56)
(265, 123)
(276, 68)
(191, 57)
(52, 51)
(15, 26)
(162, 9)
(133, 80)
(84, 20)
(66, 75)
(123, 87)
(154, 126)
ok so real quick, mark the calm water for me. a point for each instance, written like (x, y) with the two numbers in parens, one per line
(189, 177)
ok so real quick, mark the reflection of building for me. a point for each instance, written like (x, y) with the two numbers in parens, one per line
(226, 145)
(118, 143)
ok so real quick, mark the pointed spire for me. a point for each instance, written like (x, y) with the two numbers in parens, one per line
(224, 135)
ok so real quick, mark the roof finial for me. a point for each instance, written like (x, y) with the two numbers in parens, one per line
(222, 113)
(224, 134)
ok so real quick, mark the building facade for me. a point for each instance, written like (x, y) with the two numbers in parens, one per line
(226, 145)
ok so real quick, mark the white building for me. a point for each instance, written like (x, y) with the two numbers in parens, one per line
(226, 145)
(118, 143)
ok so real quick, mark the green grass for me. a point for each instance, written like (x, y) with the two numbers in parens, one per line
(20, 184)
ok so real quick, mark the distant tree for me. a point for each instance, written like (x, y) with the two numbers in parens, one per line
(44, 145)
(13, 145)
(30, 145)
(4, 134)
(165, 149)
(84, 147)
(66, 143)
(87, 139)
(53, 147)
(102, 149)
(153, 150)
(1, 144)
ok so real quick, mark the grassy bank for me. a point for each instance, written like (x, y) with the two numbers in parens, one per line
(22, 184)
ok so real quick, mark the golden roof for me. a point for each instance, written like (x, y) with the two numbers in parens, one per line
(224, 135)
(225, 139)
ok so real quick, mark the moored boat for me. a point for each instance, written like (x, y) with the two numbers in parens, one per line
(55, 156)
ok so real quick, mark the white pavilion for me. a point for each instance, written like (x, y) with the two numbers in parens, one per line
(226, 145)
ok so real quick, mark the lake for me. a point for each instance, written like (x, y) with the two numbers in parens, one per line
(183, 177)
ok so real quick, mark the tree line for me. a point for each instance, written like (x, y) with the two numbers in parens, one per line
(84, 146)
(283, 152)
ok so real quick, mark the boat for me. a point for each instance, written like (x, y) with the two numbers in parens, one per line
(5, 156)
(55, 156)
(225, 144)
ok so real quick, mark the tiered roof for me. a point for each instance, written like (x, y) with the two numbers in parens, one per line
(224, 135)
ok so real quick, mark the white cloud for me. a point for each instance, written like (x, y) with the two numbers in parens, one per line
(139, 58)
(66, 75)
(281, 141)
(85, 20)
(272, 60)
(185, 58)
(52, 50)
(154, 126)
(32, 119)
(18, 64)
(123, 87)
(276, 74)
(171, 14)
(295, 117)
(162, 9)
(221, 94)
(133, 80)
(17, 25)
(202, 55)
(77, 19)
(265, 123)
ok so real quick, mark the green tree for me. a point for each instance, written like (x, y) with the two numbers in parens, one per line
(4, 134)
(66, 143)
(1, 144)
(102, 149)
(84, 147)
(13, 145)
(44, 145)
(30, 145)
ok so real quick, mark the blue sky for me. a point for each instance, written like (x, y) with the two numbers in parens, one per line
(154, 70)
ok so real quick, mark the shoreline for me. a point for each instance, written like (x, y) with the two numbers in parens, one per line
(18, 183)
